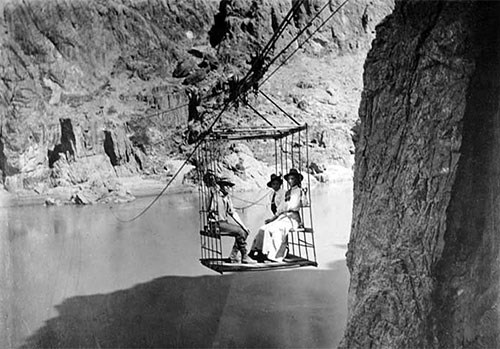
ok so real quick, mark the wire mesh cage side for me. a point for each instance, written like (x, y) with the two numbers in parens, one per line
(210, 240)
(290, 152)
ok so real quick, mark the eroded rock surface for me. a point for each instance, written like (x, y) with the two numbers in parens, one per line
(82, 81)
(424, 248)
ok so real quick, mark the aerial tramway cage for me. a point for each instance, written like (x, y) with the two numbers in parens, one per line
(288, 147)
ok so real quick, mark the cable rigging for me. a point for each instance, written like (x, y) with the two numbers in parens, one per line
(256, 66)
(307, 39)
(250, 203)
(253, 75)
(256, 63)
(199, 142)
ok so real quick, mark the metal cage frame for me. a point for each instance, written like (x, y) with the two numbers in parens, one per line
(289, 142)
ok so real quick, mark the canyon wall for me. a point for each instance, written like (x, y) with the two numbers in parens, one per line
(86, 87)
(424, 247)
(73, 74)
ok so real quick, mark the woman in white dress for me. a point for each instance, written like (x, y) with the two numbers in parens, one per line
(272, 239)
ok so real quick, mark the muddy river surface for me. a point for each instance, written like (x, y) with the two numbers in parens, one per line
(79, 277)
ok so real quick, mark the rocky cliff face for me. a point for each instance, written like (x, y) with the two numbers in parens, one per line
(73, 74)
(90, 84)
(424, 248)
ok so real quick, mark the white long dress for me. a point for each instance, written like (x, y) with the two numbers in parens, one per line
(272, 238)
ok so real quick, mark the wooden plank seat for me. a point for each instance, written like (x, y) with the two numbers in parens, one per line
(209, 233)
(303, 229)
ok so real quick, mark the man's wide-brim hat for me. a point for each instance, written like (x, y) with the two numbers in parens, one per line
(294, 172)
(274, 178)
(225, 182)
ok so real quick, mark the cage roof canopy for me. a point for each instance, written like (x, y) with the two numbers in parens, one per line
(258, 132)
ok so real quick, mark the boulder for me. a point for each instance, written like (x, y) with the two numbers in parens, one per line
(82, 198)
(184, 68)
(52, 202)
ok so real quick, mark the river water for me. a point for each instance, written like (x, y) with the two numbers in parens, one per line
(80, 277)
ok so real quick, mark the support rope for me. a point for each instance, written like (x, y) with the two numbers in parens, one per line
(305, 41)
(277, 106)
(298, 34)
(241, 83)
(251, 203)
(262, 116)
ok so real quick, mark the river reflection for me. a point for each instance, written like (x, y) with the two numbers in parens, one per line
(78, 277)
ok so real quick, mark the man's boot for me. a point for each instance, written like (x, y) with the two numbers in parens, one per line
(245, 259)
(233, 256)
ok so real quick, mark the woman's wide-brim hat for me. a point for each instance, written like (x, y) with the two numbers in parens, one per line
(294, 172)
(209, 178)
(274, 178)
(225, 182)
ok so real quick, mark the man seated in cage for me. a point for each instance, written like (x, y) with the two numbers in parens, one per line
(271, 241)
(220, 210)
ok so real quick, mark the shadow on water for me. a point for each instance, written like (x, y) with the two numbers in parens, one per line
(274, 309)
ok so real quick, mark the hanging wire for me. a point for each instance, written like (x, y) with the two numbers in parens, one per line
(251, 203)
(281, 109)
(300, 152)
(218, 153)
(281, 156)
(207, 204)
(276, 156)
(215, 241)
(167, 111)
(265, 51)
(309, 192)
(261, 116)
(282, 27)
(226, 105)
(299, 33)
(286, 154)
(200, 191)
(258, 63)
(204, 134)
(305, 41)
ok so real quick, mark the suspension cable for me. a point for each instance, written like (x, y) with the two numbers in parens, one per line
(277, 106)
(266, 50)
(250, 203)
(304, 42)
(199, 142)
(177, 107)
(282, 27)
(262, 116)
(299, 33)
(257, 70)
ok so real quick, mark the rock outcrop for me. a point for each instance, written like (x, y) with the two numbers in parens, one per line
(424, 248)
(85, 81)
(73, 74)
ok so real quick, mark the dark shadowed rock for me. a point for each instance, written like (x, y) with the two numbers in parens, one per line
(424, 247)
(184, 68)
(83, 199)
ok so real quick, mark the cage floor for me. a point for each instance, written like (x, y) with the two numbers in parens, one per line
(224, 265)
